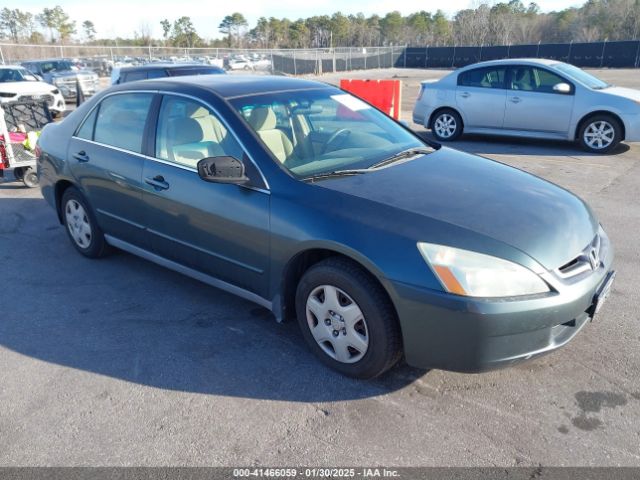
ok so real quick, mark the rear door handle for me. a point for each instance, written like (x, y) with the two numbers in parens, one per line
(515, 99)
(465, 94)
(81, 156)
(157, 182)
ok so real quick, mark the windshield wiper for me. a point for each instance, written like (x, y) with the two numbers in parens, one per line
(410, 152)
(335, 173)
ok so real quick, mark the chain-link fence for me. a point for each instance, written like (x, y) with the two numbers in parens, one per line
(102, 59)
(290, 61)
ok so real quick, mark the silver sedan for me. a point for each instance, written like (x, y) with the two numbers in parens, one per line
(533, 98)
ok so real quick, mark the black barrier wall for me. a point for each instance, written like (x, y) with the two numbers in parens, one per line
(598, 54)
(623, 54)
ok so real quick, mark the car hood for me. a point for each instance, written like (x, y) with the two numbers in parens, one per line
(541, 219)
(629, 93)
(29, 88)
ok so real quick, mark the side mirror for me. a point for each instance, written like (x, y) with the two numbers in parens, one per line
(222, 170)
(562, 88)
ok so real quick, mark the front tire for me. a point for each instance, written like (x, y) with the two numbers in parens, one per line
(600, 134)
(80, 223)
(446, 125)
(347, 319)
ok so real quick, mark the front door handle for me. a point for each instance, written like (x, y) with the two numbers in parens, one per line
(81, 156)
(157, 182)
(465, 94)
(515, 99)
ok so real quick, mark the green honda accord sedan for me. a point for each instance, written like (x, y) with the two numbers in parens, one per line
(308, 201)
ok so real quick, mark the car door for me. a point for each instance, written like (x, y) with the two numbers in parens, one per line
(105, 156)
(533, 104)
(221, 230)
(481, 95)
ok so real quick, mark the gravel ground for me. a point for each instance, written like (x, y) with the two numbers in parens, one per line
(121, 362)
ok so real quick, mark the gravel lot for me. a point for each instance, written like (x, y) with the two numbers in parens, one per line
(121, 362)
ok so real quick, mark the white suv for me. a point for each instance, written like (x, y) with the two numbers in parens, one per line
(17, 84)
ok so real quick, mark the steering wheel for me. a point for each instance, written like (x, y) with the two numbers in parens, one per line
(338, 133)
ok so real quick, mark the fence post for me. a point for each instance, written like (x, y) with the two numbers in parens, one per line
(2, 55)
(61, 51)
(638, 55)
(295, 70)
(405, 55)
(453, 58)
(364, 56)
(569, 55)
(426, 56)
(604, 45)
(538, 50)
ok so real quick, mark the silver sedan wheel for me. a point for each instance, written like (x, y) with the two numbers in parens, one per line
(445, 125)
(599, 134)
(337, 324)
(78, 223)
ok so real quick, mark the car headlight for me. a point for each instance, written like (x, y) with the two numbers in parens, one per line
(473, 274)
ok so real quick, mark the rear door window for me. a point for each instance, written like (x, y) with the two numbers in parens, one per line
(133, 76)
(488, 77)
(121, 120)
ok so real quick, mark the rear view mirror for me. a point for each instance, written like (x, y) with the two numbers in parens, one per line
(562, 88)
(222, 170)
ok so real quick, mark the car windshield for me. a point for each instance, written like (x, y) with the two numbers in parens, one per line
(320, 131)
(14, 75)
(581, 76)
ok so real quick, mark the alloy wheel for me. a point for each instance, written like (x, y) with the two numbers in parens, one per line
(337, 324)
(445, 125)
(599, 134)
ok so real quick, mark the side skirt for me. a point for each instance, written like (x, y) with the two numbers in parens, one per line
(189, 272)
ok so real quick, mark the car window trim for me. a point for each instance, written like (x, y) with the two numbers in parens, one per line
(153, 120)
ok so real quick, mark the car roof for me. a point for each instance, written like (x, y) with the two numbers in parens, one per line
(7, 67)
(513, 61)
(227, 86)
(163, 65)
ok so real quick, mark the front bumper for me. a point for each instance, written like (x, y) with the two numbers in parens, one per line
(632, 127)
(451, 332)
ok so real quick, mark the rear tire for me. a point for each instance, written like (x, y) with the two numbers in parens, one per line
(347, 319)
(600, 134)
(18, 172)
(80, 223)
(446, 125)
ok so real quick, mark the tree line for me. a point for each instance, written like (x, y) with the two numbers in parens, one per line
(496, 23)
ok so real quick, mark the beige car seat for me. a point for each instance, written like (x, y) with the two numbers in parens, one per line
(263, 121)
(186, 142)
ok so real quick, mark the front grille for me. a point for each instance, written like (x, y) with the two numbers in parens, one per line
(37, 99)
(587, 261)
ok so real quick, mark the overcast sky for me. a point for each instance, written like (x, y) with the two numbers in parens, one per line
(122, 17)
